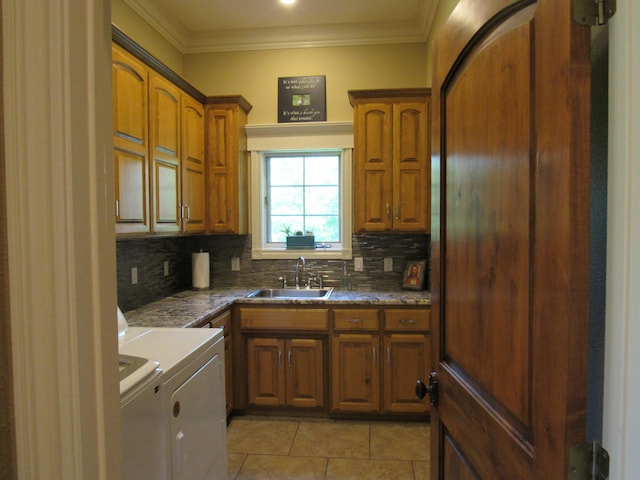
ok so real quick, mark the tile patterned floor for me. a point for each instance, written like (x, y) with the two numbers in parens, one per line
(272, 448)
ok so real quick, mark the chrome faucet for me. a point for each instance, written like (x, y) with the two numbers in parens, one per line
(298, 261)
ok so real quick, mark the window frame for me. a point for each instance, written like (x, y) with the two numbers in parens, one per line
(310, 137)
(304, 155)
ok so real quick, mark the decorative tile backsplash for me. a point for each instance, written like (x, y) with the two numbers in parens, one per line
(149, 255)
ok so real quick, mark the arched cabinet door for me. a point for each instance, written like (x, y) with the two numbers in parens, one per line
(130, 79)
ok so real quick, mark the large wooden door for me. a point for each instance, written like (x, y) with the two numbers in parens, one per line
(510, 238)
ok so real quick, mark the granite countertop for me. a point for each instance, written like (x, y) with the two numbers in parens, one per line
(190, 308)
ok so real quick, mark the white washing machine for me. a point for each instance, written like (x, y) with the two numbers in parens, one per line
(174, 417)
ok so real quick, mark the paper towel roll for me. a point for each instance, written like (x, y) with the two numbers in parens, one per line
(200, 270)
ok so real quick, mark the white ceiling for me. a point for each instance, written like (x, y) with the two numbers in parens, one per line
(196, 26)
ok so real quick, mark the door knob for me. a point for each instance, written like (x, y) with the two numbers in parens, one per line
(432, 389)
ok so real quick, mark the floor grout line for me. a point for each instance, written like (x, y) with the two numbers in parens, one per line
(413, 467)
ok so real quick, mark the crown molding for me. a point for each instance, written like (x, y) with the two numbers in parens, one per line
(414, 31)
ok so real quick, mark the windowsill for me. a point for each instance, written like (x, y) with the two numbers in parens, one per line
(308, 253)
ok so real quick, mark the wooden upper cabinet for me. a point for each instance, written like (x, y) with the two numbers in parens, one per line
(158, 139)
(226, 151)
(164, 128)
(193, 166)
(130, 79)
(391, 185)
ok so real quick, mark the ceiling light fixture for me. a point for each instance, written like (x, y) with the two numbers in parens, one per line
(287, 2)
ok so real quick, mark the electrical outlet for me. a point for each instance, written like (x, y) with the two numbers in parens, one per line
(166, 268)
(388, 264)
(358, 264)
(235, 264)
(134, 275)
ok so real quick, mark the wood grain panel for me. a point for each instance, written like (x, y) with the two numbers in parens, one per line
(407, 359)
(407, 319)
(284, 318)
(355, 373)
(305, 372)
(488, 214)
(362, 319)
(266, 375)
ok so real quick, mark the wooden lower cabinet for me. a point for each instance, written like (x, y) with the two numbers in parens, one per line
(285, 372)
(355, 378)
(365, 378)
(407, 359)
(346, 359)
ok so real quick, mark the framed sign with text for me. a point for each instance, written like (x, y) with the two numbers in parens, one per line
(302, 99)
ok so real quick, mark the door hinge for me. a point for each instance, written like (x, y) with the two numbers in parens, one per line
(593, 12)
(588, 461)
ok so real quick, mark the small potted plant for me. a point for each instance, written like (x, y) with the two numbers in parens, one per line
(298, 240)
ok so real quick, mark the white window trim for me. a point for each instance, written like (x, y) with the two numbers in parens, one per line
(296, 137)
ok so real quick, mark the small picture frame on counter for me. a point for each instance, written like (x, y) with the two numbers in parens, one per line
(413, 278)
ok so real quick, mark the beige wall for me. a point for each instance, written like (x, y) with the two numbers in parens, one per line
(255, 74)
(123, 17)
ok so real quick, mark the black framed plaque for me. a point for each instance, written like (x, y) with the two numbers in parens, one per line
(302, 99)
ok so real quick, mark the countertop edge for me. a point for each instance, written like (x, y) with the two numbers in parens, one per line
(192, 308)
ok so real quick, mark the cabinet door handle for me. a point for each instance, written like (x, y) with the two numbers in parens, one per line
(397, 211)
(181, 212)
(407, 321)
(388, 211)
(388, 355)
(375, 359)
(355, 320)
(117, 208)
(188, 213)
(289, 358)
(279, 359)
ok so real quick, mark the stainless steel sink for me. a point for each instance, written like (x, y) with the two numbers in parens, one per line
(289, 293)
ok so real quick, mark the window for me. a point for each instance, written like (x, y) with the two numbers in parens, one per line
(293, 172)
(303, 196)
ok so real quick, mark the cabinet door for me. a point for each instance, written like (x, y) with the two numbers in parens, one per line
(355, 373)
(372, 180)
(305, 373)
(266, 371)
(130, 143)
(164, 127)
(407, 360)
(192, 166)
(410, 173)
(221, 155)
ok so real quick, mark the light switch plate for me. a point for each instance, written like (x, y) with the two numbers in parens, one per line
(358, 264)
(134, 275)
(235, 264)
(388, 264)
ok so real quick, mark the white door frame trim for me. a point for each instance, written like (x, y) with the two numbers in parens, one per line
(59, 169)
